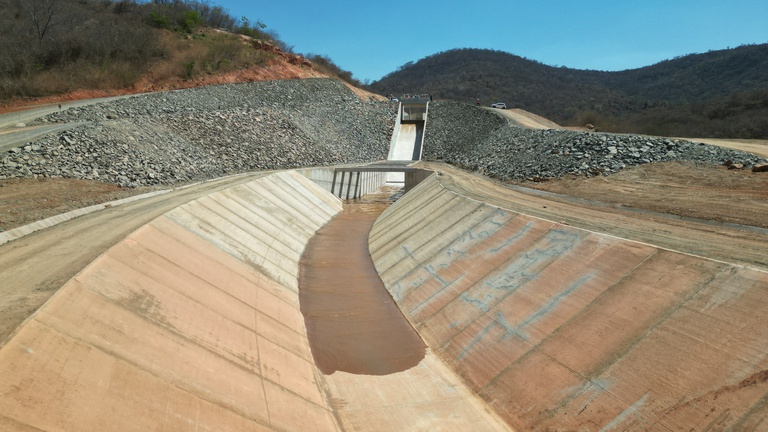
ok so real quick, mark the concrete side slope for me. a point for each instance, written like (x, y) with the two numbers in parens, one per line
(167, 332)
(559, 328)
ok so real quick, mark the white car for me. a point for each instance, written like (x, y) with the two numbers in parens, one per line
(500, 105)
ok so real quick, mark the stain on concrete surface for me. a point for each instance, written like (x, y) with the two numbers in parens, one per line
(563, 329)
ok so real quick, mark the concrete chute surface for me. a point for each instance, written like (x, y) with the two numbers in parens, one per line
(559, 328)
(168, 332)
(554, 327)
(408, 144)
(193, 322)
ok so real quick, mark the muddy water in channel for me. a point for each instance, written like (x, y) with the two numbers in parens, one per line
(352, 322)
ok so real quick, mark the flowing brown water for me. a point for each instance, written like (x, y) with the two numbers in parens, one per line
(353, 325)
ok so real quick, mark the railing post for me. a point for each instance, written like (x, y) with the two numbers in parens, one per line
(357, 186)
(333, 184)
(349, 184)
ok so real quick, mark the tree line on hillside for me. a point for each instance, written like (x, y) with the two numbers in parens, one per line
(717, 94)
(56, 46)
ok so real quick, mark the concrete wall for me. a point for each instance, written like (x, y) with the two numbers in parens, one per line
(191, 323)
(563, 329)
(423, 134)
(414, 111)
(396, 131)
(413, 178)
(367, 183)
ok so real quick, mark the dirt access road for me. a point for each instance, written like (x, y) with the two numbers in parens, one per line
(14, 131)
(525, 118)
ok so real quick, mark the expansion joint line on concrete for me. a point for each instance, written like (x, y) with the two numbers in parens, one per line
(147, 371)
(662, 317)
(536, 347)
(259, 353)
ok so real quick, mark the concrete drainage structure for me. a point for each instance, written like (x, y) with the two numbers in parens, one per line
(193, 323)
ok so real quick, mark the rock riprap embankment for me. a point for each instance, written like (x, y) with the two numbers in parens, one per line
(480, 140)
(187, 135)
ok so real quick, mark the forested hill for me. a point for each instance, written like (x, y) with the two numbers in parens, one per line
(87, 48)
(719, 93)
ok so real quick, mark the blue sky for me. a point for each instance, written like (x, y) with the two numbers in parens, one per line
(373, 38)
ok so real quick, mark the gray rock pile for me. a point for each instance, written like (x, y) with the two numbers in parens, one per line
(480, 140)
(189, 135)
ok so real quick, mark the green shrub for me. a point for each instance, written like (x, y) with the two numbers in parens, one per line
(159, 21)
(191, 20)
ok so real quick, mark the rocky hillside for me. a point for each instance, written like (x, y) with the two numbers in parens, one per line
(480, 140)
(187, 135)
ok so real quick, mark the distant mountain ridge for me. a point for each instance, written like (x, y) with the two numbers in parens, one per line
(718, 93)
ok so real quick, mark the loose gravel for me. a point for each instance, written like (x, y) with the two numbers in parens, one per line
(190, 135)
(480, 140)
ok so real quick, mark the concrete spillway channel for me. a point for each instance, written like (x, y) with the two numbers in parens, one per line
(194, 322)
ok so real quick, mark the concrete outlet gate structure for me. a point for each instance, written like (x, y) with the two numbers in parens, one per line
(408, 137)
(406, 148)
(349, 181)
